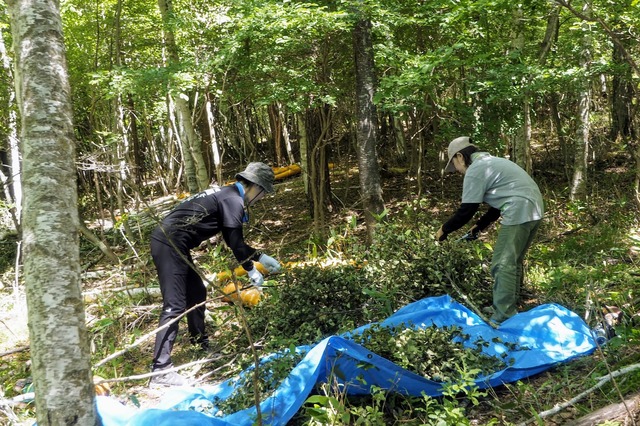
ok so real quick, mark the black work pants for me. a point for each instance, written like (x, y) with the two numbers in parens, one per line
(182, 288)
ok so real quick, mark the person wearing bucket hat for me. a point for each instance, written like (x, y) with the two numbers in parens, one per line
(196, 219)
(259, 174)
(511, 195)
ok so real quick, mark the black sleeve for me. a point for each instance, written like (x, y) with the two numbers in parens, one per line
(488, 218)
(463, 215)
(242, 252)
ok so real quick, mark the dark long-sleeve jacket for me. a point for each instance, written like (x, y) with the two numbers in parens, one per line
(204, 215)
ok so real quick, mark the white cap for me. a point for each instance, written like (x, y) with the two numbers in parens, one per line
(456, 145)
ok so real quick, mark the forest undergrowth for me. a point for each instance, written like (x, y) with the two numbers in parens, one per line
(586, 258)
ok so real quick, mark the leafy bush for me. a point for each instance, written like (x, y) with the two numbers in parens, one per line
(310, 303)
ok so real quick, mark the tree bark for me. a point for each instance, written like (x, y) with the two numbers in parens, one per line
(522, 149)
(61, 359)
(367, 125)
(636, 181)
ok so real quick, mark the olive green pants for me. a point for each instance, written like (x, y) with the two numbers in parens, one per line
(507, 267)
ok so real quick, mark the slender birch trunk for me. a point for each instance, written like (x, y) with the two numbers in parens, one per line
(195, 165)
(215, 148)
(61, 359)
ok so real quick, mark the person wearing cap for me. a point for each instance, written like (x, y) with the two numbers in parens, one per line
(198, 218)
(511, 195)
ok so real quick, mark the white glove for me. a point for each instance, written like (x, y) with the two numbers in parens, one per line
(256, 278)
(269, 263)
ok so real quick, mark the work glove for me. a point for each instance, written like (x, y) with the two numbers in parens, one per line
(269, 263)
(256, 278)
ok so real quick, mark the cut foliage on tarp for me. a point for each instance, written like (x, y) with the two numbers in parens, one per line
(534, 341)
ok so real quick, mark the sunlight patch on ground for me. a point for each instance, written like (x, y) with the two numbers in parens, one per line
(13, 326)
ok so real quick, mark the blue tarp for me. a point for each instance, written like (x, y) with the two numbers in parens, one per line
(534, 341)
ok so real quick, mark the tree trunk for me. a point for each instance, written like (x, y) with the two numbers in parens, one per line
(551, 33)
(186, 165)
(621, 100)
(304, 147)
(285, 135)
(401, 142)
(119, 128)
(215, 148)
(196, 168)
(553, 101)
(158, 156)
(550, 38)
(276, 132)
(522, 141)
(522, 149)
(367, 125)
(61, 359)
(138, 162)
(11, 180)
(245, 147)
(317, 128)
(581, 148)
(635, 153)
